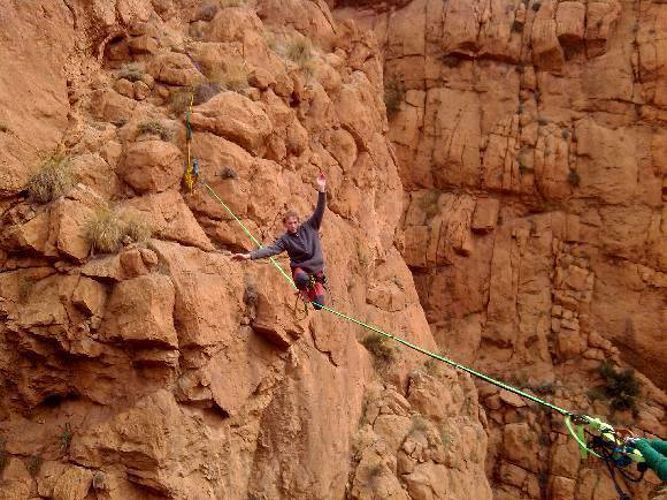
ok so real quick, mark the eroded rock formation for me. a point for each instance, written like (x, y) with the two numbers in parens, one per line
(159, 368)
(510, 211)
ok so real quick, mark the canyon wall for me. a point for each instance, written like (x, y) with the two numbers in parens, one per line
(530, 142)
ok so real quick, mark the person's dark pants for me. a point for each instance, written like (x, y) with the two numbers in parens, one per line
(310, 286)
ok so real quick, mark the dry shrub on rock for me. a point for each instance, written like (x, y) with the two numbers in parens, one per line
(155, 127)
(53, 179)
(132, 72)
(232, 3)
(233, 77)
(382, 352)
(107, 229)
(299, 50)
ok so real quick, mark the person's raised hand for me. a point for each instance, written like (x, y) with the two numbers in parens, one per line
(321, 181)
(241, 256)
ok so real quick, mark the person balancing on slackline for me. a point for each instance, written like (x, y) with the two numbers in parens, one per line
(302, 244)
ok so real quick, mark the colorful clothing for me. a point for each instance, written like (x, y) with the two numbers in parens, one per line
(655, 454)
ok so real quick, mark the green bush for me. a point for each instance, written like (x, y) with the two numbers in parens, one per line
(620, 387)
(65, 438)
(394, 94)
(53, 179)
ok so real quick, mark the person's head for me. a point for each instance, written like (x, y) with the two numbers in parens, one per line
(291, 221)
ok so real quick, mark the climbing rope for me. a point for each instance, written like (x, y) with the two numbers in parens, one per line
(191, 170)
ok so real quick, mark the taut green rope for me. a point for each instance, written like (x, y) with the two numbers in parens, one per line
(372, 328)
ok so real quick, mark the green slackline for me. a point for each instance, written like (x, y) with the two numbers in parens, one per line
(372, 328)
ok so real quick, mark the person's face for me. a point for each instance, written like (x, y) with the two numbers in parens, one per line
(291, 224)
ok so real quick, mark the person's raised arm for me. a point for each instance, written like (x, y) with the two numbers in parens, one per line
(316, 219)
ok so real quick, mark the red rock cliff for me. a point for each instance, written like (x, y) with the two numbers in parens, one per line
(136, 359)
(530, 142)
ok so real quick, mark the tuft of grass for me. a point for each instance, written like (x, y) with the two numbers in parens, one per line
(204, 92)
(135, 226)
(299, 50)
(179, 100)
(545, 389)
(232, 3)
(271, 41)
(4, 128)
(382, 352)
(234, 77)
(155, 127)
(65, 438)
(433, 367)
(207, 12)
(446, 438)
(25, 287)
(53, 179)
(104, 230)
(419, 424)
(620, 387)
(99, 481)
(429, 203)
(573, 178)
(131, 71)
(228, 173)
(375, 471)
(34, 464)
(394, 94)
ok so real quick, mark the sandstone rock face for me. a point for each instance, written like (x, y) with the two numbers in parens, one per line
(152, 166)
(528, 138)
(165, 369)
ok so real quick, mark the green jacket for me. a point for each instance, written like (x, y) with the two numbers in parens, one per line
(655, 454)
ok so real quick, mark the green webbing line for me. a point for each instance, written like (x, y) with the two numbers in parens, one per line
(450, 362)
(578, 435)
(249, 234)
(433, 355)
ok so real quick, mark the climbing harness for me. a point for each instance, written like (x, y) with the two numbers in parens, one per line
(592, 435)
(601, 440)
